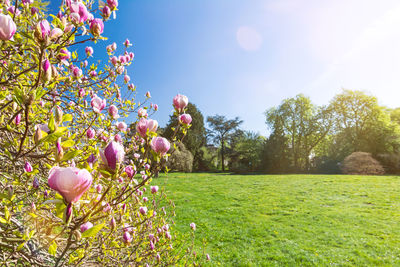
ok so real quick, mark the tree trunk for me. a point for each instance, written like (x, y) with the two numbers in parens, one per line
(222, 154)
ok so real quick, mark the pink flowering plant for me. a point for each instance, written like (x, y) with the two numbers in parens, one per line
(76, 183)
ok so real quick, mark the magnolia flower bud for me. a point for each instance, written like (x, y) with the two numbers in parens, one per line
(68, 214)
(99, 188)
(38, 135)
(28, 167)
(86, 226)
(7, 27)
(148, 94)
(143, 210)
(59, 150)
(17, 119)
(90, 133)
(113, 4)
(112, 155)
(127, 237)
(193, 226)
(58, 115)
(127, 78)
(46, 66)
(113, 223)
(106, 12)
(54, 72)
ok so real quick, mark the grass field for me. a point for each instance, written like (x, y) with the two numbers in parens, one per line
(262, 220)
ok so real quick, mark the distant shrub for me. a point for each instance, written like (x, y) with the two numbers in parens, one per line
(361, 163)
(181, 159)
(390, 162)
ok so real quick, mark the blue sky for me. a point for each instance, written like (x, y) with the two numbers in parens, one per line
(238, 58)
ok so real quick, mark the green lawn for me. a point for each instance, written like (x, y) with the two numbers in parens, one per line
(262, 220)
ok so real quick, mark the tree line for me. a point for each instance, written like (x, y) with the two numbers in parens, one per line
(304, 137)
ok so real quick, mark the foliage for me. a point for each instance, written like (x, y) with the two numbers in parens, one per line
(220, 131)
(291, 220)
(181, 159)
(46, 123)
(362, 125)
(245, 152)
(361, 163)
(304, 124)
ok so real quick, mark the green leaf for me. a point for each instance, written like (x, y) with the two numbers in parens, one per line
(20, 246)
(53, 249)
(7, 214)
(71, 154)
(52, 125)
(67, 117)
(2, 220)
(68, 143)
(93, 231)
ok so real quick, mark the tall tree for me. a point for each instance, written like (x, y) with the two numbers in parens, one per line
(220, 131)
(304, 124)
(362, 125)
(196, 136)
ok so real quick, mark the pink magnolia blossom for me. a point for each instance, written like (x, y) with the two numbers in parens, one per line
(64, 54)
(113, 4)
(160, 145)
(113, 111)
(185, 119)
(130, 171)
(193, 226)
(55, 33)
(122, 126)
(180, 102)
(142, 112)
(90, 133)
(96, 27)
(99, 188)
(80, 9)
(98, 104)
(127, 78)
(42, 30)
(148, 95)
(105, 12)
(118, 138)
(154, 189)
(113, 153)
(114, 60)
(89, 51)
(70, 182)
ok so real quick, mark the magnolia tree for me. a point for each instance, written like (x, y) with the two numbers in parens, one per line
(69, 193)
